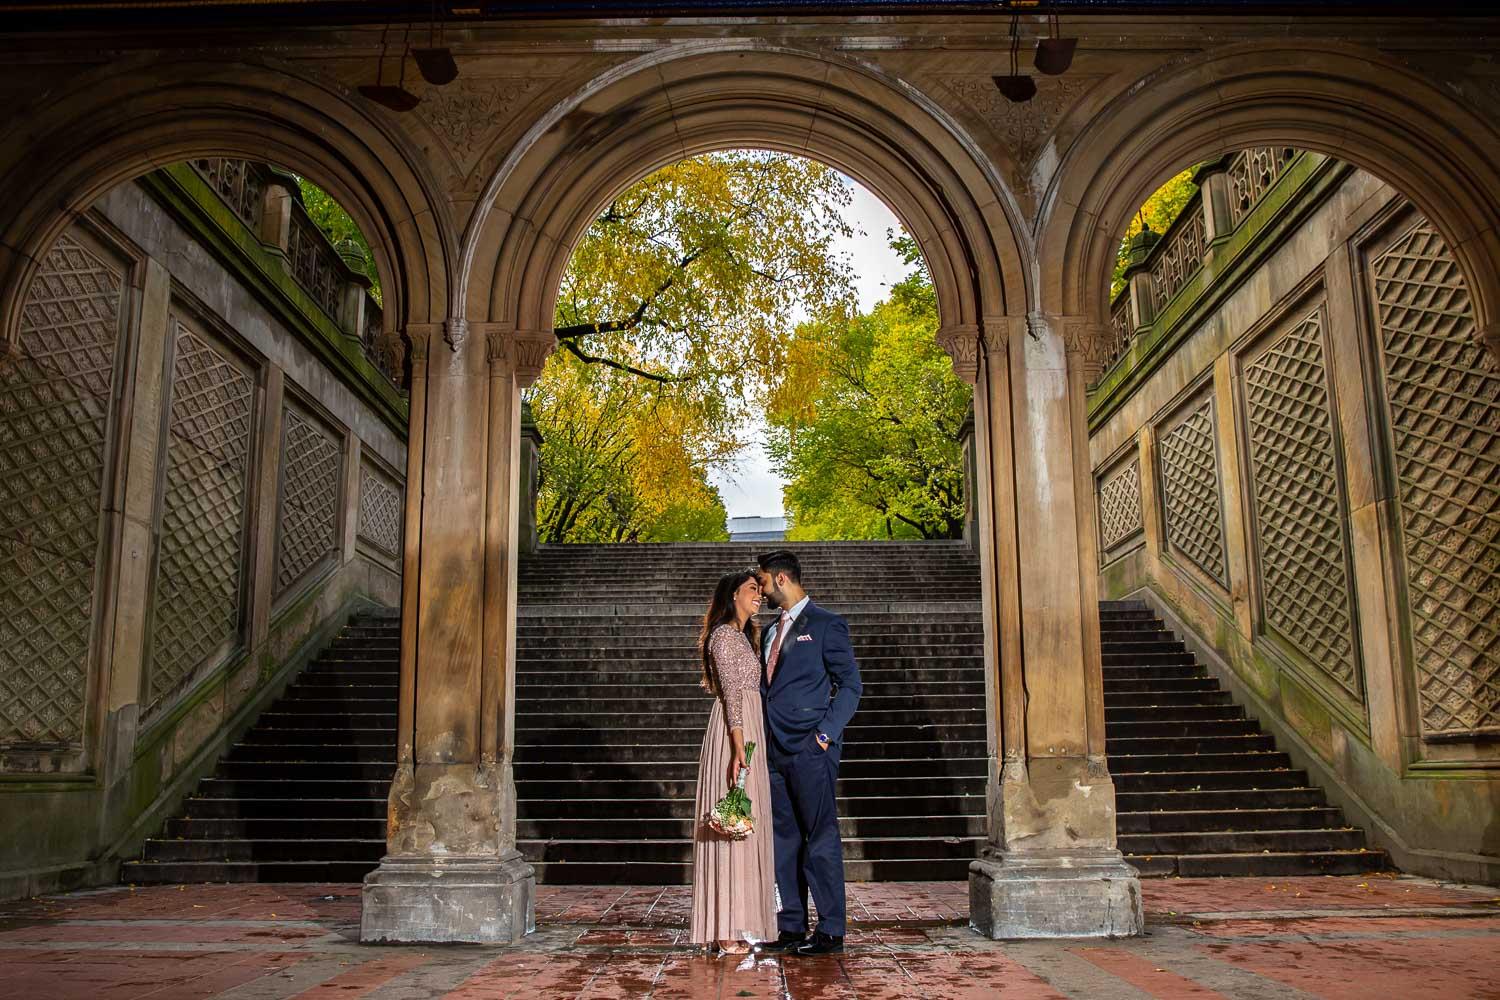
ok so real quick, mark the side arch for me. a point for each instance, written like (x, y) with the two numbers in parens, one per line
(1354, 104)
(129, 118)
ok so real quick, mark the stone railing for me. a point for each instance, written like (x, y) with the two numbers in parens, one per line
(269, 202)
(240, 183)
(1162, 265)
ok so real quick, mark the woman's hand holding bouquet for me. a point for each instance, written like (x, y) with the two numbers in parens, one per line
(730, 816)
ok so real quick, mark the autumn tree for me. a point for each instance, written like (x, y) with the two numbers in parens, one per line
(1159, 212)
(672, 325)
(866, 427)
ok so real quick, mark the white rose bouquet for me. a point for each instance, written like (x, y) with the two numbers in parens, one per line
(730, 816)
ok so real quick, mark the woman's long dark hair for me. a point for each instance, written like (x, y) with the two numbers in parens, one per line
(721, 612)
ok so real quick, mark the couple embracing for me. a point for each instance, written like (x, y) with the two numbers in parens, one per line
(781, 703)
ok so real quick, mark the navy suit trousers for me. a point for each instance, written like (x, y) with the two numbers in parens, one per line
(809, 854)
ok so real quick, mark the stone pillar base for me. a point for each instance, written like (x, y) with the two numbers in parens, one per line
(435, 899)
(1055, 896)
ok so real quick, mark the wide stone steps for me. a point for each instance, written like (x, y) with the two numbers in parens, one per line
(609, 720)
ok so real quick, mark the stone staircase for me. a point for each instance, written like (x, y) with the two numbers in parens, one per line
(609, 719)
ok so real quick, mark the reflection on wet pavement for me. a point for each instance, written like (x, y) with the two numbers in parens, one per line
(1347, 937)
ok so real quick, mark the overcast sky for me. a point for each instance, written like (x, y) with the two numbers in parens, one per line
(752, 488)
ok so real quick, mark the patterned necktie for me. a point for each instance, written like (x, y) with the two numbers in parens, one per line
(781, 630)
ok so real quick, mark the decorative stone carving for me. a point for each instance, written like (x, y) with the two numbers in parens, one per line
(390, 352)
(196, 606)
(307, 521)
(1090, 346)
(961, 342)
(1300, 543)
(532, 348)
(1023, 127)
(1120, 505)
(379, 511)
(1251, 174)
(1443, 391)
(1191, 505)
(455, 332)
(468, 115)
(54, 408)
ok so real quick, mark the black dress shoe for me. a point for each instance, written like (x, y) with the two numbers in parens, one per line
(820, 944)
(785, 941)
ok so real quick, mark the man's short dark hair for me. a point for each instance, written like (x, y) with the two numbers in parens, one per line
(782, 561)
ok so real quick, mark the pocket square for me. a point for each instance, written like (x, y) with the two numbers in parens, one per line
(804, 638)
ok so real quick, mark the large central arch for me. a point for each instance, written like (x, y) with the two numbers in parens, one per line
(1051, 866)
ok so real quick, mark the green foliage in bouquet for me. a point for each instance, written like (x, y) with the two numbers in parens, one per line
(731, 815)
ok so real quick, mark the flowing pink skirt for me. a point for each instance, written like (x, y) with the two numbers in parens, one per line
(734, 881)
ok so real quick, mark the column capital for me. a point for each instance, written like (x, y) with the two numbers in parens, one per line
(997, 331)
(961, 342)
(1088, 346)
(419, 336)
(522, 351)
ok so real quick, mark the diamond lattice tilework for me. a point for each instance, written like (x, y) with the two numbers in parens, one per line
(197, 602)
(1301, 544)
(379, 511)
(54, 408)
(309, 517)
(1120, 505)
(1190, 491)
(1443, 390)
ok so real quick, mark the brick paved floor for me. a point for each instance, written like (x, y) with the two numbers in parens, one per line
(1359, 938)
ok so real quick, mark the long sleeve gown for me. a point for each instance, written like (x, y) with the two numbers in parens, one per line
(733, 880)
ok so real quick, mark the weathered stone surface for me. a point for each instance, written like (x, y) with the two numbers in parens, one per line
(1055, 895)
(439, 899)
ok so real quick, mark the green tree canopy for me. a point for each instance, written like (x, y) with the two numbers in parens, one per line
(329, 216)
(673, 322)
(866, 425)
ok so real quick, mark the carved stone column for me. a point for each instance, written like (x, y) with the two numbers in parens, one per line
(451, 871)
(1051, 867)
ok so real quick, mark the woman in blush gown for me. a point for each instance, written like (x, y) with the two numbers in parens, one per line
(733, 880)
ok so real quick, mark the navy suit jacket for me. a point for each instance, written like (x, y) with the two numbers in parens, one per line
(816, 687)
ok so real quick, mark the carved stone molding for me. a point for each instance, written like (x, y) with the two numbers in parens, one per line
(455, 332)
(497, 345)
(419, 336)
(1488, 336)
(996, 331)
(1024, 127)
(961, 341)
(390, 350)
(532, 348)
(10, 352)
(1087, 345)
(468, 115)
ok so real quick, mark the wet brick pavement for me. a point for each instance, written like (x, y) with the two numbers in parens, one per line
(1363, 938)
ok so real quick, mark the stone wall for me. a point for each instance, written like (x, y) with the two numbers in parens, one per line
(199, 483)
(1298, 463)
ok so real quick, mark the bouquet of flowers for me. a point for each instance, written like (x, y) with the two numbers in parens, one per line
(730, 816)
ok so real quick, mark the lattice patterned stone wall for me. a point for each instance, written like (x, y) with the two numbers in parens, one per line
(1190, 490)
(196, 608)
(1301, 545)
(1120, 505)
(379, 511)
(54, 408)
(1442, 389)
(308, 518)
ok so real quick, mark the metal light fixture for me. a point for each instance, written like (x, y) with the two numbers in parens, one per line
(1017, 87)
(436, 61)
(1053, 54)
(394, 96)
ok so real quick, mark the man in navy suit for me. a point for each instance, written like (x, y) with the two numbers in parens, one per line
(810, 688)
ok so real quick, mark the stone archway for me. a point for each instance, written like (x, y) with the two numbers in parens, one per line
(453, 871)
(128, 118)
(1354, 104)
